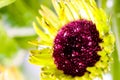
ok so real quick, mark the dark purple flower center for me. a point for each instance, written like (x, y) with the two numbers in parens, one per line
(76, 46)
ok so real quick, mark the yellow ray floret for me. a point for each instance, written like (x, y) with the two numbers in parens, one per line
(50, 23)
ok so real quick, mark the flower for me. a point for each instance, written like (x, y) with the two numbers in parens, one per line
(75, 42)
(11, 73)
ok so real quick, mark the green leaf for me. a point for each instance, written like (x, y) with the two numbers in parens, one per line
(8, 47)
(24, 12)
(5, 2)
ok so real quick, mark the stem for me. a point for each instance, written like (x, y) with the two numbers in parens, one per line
(115, 66)
(116, 29)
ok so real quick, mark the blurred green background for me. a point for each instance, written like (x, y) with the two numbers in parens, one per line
(16, 17)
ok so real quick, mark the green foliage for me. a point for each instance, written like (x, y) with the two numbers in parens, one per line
(5, 2)
(103, 2)
(23, 41)
(116, 29)
(22, 12)
(8, 46)
(116, 14)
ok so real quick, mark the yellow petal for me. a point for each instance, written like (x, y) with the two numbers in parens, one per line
(42, 35)
(49, 29)
(73, 10)
(51, 18)
(41, 57)
(41, 42)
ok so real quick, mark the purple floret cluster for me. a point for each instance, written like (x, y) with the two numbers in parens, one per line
(76, 46)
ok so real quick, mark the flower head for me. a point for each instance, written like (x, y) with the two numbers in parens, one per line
(75, 43)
